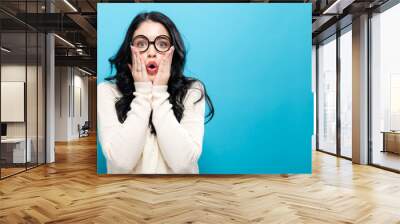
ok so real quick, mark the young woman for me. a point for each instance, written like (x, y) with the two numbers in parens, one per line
(150, 116)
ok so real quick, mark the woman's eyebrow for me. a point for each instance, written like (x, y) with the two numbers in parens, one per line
(151, 38)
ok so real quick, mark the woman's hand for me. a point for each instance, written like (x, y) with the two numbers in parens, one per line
(164, 71)
(138, 67)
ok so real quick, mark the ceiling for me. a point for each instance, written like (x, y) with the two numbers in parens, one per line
(75, 21)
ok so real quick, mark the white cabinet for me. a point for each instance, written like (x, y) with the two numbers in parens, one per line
(19, 155)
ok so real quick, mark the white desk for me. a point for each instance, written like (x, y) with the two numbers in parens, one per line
(18, 144)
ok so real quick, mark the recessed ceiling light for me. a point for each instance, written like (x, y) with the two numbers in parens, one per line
(70, 5)
(64, 40)
(5, 50)
(338, 6)
(84, 71)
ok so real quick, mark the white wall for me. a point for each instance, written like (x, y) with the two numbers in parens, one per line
(70, 84)
(62, 81)
(80, 98)
(16, 72)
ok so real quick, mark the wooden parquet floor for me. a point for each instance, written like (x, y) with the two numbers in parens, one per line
(70, 191)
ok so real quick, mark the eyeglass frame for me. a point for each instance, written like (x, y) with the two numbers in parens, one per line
(153, 42)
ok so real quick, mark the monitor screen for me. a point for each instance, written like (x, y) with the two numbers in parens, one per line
(3, 129)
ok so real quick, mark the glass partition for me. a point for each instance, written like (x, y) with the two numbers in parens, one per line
(14, 153)
(22, 78)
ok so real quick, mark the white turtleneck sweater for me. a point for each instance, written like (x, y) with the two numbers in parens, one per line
(130, 148)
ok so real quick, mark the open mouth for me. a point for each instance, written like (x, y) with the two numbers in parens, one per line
(152, 68)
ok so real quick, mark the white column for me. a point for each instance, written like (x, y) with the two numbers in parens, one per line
(50, 93)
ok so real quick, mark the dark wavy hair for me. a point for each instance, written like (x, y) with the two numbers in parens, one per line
(178, 84)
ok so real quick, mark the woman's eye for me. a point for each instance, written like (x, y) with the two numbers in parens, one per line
(163, 44)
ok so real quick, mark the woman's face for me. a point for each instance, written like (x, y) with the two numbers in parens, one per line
(151, 56)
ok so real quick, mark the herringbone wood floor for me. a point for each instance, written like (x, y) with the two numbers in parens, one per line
(70, 191)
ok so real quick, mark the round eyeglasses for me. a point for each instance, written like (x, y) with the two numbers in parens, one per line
(162, 43)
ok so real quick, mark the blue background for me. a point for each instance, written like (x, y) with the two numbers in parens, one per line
(255, 60)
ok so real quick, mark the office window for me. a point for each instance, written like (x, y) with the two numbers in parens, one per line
(346, 92)
(385, 89)
(327, 95)
(314, 90)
